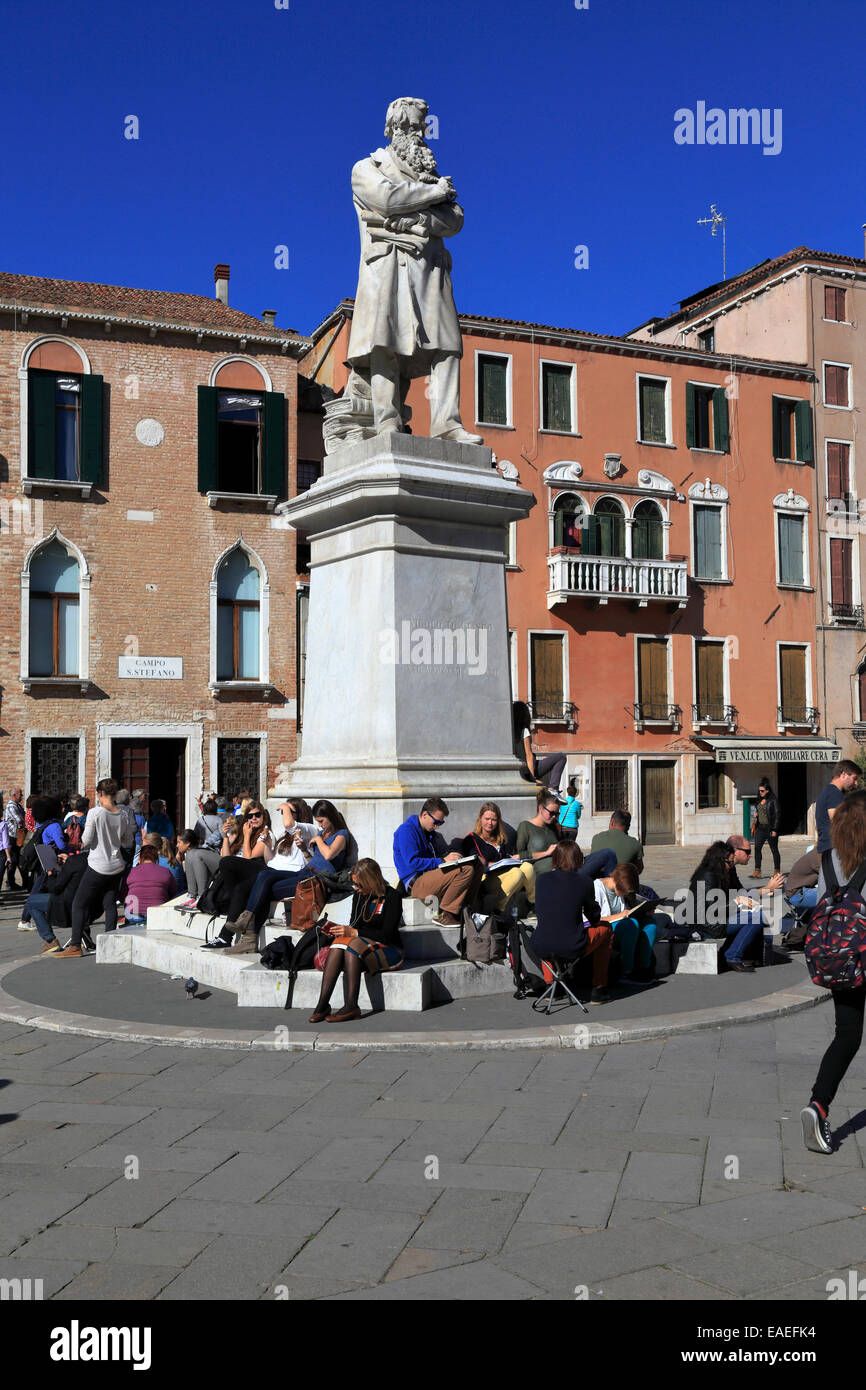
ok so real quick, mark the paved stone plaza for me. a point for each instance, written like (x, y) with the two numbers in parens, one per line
(666, 1169)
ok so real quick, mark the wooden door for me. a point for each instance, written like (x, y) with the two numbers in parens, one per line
(657, 803)
(130, 766)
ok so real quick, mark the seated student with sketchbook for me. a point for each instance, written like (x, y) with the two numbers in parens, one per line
(504, 874)
(422, 862)
(630, 915)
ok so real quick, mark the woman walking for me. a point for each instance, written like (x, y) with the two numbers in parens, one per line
(765, 827)
(108, 831)
(848, 840)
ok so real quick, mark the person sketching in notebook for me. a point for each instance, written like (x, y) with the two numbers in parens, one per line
(419, 856)
(489, 841)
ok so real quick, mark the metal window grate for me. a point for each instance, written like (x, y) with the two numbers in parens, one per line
(237, 765)
(611, 784)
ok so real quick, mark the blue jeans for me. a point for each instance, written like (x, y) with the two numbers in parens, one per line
(37, 905)
(634, 941)
(273, 883)
(804, 897)
(599, 865)
(744, 926)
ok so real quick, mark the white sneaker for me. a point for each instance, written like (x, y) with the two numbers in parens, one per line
(26, 926)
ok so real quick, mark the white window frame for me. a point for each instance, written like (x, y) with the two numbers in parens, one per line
(263, 681)
(724, 643)
(32, 736)
(192, 733)
(551, 523)
(669, 671)
(557, 362)
(828, 362)
(24, 390)
(720, 505)
(512, 662)
(852, 473)
(668, 442)
(83, 676)
(810, 702)
(631, 517)
(856, 588)
(511, 546)
(566, 694)
(707, 386)
(828, 285)
(782, 508)
(507, 358)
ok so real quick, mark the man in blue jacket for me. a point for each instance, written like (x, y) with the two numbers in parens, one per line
(419, 856)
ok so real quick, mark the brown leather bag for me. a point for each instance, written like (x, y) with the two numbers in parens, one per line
(21, 836)
(310, 897)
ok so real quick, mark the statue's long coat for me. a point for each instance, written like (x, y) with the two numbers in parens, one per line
(404, 301)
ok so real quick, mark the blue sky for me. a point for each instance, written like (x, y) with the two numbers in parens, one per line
(556, 125)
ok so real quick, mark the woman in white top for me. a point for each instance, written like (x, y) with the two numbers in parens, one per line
(108, 831)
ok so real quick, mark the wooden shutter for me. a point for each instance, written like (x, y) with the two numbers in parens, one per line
(547, 691)
(834, 303)
(792, 664)
(90, 457)
(861, 689)
(803, 431)
(653, 678)
(791, 534)
(836, 385)
(274, 444)
(840, 572)
(690, 415)
(837, 470)
(721, 432)
(207, 438)
(41, 463)
(710, 679)
(708, 543)
(492, 396)
(778, 430)
(556, 383)
(652, 411)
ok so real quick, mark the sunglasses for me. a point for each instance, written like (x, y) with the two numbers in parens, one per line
(438, 823)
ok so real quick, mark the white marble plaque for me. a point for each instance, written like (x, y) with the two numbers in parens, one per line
(149, 433)
(150, 668)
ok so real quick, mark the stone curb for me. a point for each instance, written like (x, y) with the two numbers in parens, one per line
(579, 1035)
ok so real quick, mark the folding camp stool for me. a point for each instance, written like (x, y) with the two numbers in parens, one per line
(556, 968)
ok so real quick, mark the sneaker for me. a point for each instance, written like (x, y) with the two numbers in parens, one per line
(600, 996)
(50, 947)
(446, 919)
(816, 1130)
(26, 926)
(746, 967)
(189, 902)
(70, 953)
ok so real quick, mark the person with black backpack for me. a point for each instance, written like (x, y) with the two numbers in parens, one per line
(836, 954)
(47, 811)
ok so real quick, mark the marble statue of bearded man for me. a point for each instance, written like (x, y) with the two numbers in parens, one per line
(405, 323)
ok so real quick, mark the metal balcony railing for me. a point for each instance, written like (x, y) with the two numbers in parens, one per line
(648, 712)
(847, 614)
(714, 712)
(799, 716)
(553, 712)
(615, 577)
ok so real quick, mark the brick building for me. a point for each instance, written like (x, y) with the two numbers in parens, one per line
(150, 592)
(661, 593)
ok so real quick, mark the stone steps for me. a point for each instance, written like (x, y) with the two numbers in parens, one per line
(416, 986)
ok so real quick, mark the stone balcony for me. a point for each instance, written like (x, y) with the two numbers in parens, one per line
(602, 578)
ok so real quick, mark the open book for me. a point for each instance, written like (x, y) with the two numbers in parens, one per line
(456, 863)
(502, 865)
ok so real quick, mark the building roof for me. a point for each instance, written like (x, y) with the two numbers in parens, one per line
(764, 270)
(152, 308)
(579, 337)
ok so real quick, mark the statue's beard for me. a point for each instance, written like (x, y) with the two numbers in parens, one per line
(415, 155)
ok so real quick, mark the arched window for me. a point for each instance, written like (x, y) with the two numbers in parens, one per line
(568, 521)
(606, 530)
(238, 615)
(646, 532)
(54, 615)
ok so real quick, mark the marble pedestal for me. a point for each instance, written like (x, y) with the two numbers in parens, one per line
(408, 690)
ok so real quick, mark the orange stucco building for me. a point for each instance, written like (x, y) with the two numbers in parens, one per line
(661, 594)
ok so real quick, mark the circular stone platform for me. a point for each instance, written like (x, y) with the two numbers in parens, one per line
(122, 1002)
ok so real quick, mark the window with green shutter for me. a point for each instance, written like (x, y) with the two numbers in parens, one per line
(653, 411)
(708, 542)
(646, 532)
(605, 529)
(65, 426)
(492, 390)
(721, 430)
(556, 397)
(274, 444)
(207, 438)
(791, 558)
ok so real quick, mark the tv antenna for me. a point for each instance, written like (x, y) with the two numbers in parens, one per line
(717, 220)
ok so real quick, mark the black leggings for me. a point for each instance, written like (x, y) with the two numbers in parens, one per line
(238, 875)
(763, 837)
(848, 1004)
(95, 892)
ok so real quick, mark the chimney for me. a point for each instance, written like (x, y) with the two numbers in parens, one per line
(221, 283)
(270, 317)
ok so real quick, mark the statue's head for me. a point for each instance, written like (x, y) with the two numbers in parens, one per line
(405, 125)
(405, 114)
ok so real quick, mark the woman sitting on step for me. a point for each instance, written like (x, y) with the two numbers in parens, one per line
(325, 854)
(489, 841)
(239, 870)
(371, 942)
